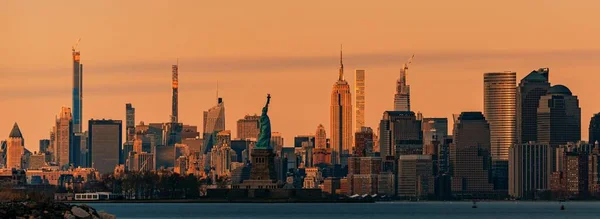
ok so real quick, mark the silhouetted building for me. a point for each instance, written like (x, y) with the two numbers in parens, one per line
(415, 176)
(105, 139)
(531, 88)
(594, 129)
(44, 144)
(559, 117)
(400, 134)
(130, 122)
(470, 161)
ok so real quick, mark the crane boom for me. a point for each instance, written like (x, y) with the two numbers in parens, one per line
(76, 44)
(409, 61)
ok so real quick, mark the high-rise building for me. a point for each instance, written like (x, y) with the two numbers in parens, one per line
(415, 176)
(363, 143)
(530, 167)
(105, 139)
(37, 161)
(175, 86)
(77, 90)
(359, 91)
(276, 141)
(400, 134)
(214, 122)
(594, 129)
(64, 136)
(559, 117)
(44, 144)
(341, 119)
(470, 162)
(572, 177)
(499, 110)
(130, 122)
(320, 137)
(402, 96)
(15, 149)
(531, 88)
(248, 127)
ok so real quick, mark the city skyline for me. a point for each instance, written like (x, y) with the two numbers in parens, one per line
(45, 72)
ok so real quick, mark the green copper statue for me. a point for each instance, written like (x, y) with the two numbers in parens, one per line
(264, 138)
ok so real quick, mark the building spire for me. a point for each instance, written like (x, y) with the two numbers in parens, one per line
(341, 76)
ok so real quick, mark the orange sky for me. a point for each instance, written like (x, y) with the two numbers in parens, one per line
(287, 49)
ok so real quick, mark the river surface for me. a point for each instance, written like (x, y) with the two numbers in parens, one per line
(445, 210)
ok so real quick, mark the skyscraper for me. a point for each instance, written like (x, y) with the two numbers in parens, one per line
(402, 96)
(77, 89)
(400, 134)
(105, 137)
(15, 148)
(248, 127)
(415, 176)
(530, 89)
(175, 102)
(130, 122)
(594, 129)
(214, 122)
(558, 117)
(499, 110)
(64, 136)
(320, 137)
(359, 91)
(434, 129)
(341, 119)
(470, 163)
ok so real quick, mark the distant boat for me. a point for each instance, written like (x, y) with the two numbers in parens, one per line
(474, 204)
(562, 207)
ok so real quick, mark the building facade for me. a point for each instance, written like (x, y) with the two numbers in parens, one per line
(129, 122)
(64, 136)
(400, 133)
(531, 88)
(530, 168)
(559, 117)
(470, 158)
(415, 176)
(341, 119)
(248, 127)
(359, 92)
(594, 129)
(105, 139)
(77, 91)
(363, 142)
(15, 149)
(214, 122)
(500, 112)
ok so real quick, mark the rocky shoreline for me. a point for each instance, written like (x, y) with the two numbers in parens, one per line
(32, 210)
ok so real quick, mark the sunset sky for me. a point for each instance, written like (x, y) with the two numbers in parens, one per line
(286, 48)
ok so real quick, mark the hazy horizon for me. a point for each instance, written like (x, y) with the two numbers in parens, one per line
(287, 49)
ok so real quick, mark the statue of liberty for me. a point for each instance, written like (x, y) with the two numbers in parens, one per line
(264, 138)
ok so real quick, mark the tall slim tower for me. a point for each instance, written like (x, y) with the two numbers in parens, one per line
(130, 122)
(175, 109)
(402, 96)
(77, 89)
(500, 111)
(359, 86)
(341, 119)
(64, 138)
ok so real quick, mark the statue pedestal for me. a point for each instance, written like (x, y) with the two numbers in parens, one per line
(263, 165)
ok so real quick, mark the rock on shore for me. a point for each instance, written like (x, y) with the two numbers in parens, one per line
(50, 210)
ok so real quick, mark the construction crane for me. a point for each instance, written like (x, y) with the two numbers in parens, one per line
(408, 62)
(76, 44)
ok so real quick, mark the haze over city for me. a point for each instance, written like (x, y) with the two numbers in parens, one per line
(288, 50)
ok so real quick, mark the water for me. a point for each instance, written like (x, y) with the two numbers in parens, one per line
(445, 210)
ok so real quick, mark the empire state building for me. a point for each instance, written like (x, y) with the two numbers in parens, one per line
(341, 119)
